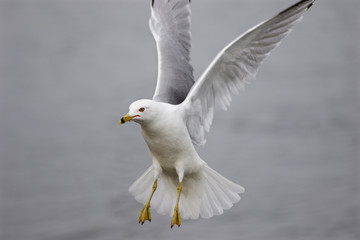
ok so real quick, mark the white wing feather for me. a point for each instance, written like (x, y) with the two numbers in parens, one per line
(234, 66)
(170, 26)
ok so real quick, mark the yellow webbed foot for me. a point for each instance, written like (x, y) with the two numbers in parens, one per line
(145, 214)
(176, 218)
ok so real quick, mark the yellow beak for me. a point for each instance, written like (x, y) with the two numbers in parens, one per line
(126, 118)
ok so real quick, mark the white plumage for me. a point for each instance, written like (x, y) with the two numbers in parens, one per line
(207, 193)
(182, 110)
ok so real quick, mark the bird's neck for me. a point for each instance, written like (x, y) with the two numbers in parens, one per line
(168, 120)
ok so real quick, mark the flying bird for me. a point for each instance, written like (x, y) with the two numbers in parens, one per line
(179, 182)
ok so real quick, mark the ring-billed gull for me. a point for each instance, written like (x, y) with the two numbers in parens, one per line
(182, 110)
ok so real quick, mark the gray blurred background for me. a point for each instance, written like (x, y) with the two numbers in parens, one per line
(70, 69)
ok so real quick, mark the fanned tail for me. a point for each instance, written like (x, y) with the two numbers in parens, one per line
(205, 194)
(219, 193)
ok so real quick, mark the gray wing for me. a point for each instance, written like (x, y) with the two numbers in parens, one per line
(234, 66)
(170, 26)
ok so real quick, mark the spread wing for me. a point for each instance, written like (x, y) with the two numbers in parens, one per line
(234, 66)
(170, 26)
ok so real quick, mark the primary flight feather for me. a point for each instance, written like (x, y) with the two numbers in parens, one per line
(179, 182)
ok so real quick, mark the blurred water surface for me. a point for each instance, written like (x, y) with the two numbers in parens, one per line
(69, 70)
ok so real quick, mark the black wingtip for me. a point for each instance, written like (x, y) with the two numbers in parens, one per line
(297, 5)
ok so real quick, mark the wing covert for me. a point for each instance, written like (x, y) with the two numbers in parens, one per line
(234, 66)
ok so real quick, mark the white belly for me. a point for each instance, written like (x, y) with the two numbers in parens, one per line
(170, 145)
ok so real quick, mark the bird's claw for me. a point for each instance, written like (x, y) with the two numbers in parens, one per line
(145, 214)
(176, 218)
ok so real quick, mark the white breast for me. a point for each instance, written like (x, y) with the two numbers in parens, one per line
(169, 141)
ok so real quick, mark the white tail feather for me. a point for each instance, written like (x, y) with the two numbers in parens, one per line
(205, 194)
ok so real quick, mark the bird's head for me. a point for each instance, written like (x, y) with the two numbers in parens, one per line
(140, 111)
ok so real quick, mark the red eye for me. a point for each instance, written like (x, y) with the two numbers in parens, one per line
(141, 109)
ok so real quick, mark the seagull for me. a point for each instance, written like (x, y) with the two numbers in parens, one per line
(179, 183)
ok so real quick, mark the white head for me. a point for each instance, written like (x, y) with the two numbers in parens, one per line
(141, 111)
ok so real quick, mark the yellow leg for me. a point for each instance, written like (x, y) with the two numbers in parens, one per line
(176, 217)
(145, 213)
